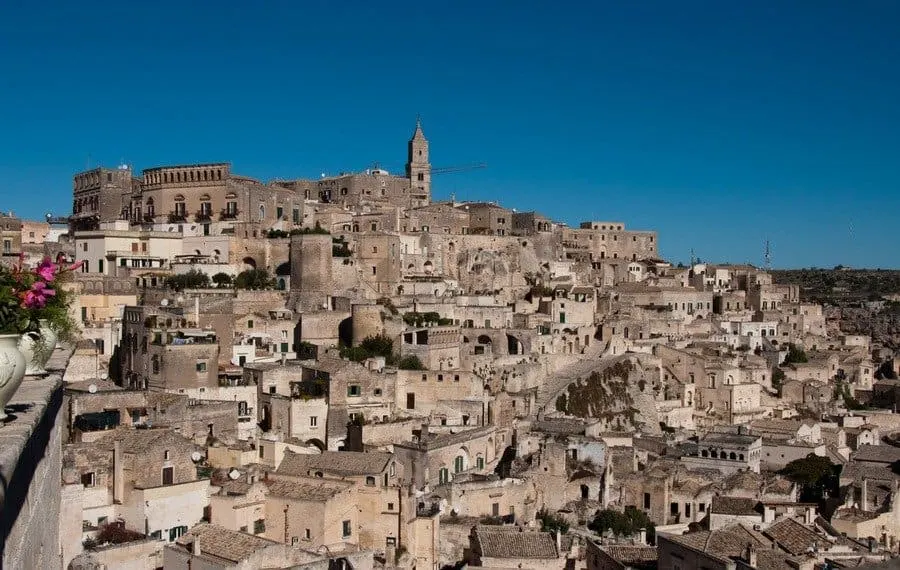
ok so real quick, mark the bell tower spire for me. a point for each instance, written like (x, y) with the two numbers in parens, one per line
(418, 167)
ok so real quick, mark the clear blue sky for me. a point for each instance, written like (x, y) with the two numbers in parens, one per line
(718, 124)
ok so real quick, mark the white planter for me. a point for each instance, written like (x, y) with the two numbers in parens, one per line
(37, 347)
(12, 369)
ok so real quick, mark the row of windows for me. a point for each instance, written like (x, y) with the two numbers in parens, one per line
(190, 176)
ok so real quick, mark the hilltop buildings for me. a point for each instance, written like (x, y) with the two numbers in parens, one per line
(343, 371)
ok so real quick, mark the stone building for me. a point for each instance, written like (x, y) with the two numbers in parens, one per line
(144, 479)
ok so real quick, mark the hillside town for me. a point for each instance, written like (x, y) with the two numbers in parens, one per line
(343, 372)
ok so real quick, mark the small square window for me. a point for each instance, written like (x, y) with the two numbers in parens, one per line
(390, 506)
(353, 390)
(201, 367)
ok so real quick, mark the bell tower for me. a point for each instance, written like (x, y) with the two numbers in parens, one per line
(418, 168)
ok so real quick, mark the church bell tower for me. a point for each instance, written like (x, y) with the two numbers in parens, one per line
(418, 168)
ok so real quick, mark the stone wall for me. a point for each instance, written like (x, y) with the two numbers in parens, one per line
(30, 464)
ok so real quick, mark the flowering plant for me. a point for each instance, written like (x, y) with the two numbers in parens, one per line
(31, 295)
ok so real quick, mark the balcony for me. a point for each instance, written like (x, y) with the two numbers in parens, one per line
(203, 215)
(176, 217)
(229, 214)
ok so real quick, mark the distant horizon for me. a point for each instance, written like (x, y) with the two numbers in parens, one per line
(719, 126)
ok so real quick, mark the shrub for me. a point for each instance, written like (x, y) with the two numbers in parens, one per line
(552, 523)
(193, 279)
(222, 280)
(254, 279)
(410, 362)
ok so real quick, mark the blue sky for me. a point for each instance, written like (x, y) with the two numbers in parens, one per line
(719, 124)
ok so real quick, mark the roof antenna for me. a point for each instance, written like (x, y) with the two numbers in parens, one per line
(768, 255)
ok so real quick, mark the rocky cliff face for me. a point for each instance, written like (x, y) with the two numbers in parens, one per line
(882, 324)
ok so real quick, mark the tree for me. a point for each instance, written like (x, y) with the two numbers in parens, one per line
(193, 279)
(778, 378)
(815, 474)
(254, 279)
(795, 355)
(552, 523)
(222, 279)
(623, 524)
(410, 362)
(376, 345)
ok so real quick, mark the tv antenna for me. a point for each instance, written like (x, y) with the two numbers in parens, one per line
(768, 255)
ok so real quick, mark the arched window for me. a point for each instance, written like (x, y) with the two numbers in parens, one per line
(733, 456)
(262, 212)
(155, 363)
(370, 481)
(704, 453)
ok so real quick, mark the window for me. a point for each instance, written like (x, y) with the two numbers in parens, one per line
(250, 324)
(166, 455)
(646, 500)
(353, 390)
(201, 367)
(410, 401)
(279, 212)
(374, 270)
(701, 507)
(259, 526)
(443, 475)
(308, 534)
(458, 464)
(390, 506)
(262, 452)
(168, 475)
(313, 421)
(346, 529)
(479, 462)
(88, 479)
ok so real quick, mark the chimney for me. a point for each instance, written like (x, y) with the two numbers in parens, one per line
(118, 474)
(750, 555)
(642, 536)
(558, 543)
(195, 546)
(864, 500)
(871, 544)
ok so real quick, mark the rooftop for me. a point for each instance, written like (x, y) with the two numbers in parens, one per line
(222, 543)
(334, 462)
(738, 506)
(514, 542)
(316, 490)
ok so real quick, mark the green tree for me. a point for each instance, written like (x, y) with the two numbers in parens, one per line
(410, 362)
(222, 280)
(778, 378)
(193, 279)
(625, 523)
(795, 355)
(552, 523)
(816, 475)
(254, 279)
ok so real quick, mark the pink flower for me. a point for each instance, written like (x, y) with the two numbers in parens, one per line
(46, 270)
(36, 298)
(76, 265)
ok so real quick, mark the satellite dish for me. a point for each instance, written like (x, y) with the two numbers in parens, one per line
(234, 474)
(92, 388)
(104, 376)
(195, 457)
(164, 303)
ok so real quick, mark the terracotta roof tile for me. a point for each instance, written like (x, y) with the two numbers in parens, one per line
(514, 542)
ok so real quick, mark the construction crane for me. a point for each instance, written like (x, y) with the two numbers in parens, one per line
(455, 169)
(440, 170)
